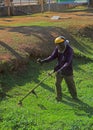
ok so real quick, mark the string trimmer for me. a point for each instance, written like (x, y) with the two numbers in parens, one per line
(32, 90)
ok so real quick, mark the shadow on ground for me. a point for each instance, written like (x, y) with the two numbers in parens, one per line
(30, 72)
(78, 106)
(42, 39)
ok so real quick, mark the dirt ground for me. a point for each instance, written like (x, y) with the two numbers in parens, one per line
(19, 43)
(82, 15)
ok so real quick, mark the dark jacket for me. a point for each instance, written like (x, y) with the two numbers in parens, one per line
(64, 60)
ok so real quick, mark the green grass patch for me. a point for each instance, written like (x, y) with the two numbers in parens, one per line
(44, 113)
(83, 47)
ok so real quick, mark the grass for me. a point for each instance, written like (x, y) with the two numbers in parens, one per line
(83, 46)
(44, 112)
(44, 19)
(48, 22)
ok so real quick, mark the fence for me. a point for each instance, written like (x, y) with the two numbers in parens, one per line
(21, 8)
(35, 2)
(26, 2)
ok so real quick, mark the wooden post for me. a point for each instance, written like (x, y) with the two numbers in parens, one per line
(8, 4)
(42, 6)
(41, 3)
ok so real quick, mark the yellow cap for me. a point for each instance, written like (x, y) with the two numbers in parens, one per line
(59, 40)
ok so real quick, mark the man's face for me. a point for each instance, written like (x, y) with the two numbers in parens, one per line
(61, 47)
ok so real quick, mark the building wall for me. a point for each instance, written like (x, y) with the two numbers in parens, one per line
(75, 1)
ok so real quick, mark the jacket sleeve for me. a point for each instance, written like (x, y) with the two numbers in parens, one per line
(51, 57)
(68, 60)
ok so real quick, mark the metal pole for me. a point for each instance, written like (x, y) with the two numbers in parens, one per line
(49, 5)
(20, 2)
(9, 11)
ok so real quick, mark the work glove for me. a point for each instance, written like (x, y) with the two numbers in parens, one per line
(56, 69)
(59, 72)
(39, 61)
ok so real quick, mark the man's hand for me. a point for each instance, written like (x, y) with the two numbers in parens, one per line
(56, 69)
(39, 61)
(59, 72)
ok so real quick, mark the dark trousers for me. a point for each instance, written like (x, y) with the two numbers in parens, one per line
(70, 84)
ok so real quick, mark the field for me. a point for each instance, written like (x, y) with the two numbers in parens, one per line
(23, 39)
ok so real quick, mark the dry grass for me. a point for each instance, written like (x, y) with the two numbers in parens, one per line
(22, 37)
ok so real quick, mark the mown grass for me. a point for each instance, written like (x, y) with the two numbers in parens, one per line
(44, 112)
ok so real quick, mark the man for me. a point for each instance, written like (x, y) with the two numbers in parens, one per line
(64, 69)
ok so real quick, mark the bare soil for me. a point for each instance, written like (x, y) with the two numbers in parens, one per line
(18, 44)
